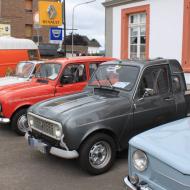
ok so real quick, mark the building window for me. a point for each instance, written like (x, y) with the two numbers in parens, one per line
(137, 36)
(135, 32)
(28, 31)
(28, 5)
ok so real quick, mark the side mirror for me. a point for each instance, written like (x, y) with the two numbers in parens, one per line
(66, 79)
(148, 92)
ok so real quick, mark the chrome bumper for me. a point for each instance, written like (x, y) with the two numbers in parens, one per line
(4, 120)
(129, 185)
(141, 186)
(44, 148)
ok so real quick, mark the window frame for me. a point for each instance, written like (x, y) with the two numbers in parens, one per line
(164, 66)
(125, 25)
(94, 63)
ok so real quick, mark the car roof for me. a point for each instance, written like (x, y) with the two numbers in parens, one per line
(33, 61)
(140, 63)
(10, 43)
(80, 59)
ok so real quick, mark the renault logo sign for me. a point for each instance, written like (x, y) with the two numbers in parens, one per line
(50, 13)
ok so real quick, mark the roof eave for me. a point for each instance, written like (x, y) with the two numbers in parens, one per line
(113, 3)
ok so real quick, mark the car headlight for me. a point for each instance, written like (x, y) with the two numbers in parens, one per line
(140, 160)
(58, 132)
(30, 121)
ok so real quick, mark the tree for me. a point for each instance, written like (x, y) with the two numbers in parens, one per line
(78, 40)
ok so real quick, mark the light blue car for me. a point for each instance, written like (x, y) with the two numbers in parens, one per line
(159, 159)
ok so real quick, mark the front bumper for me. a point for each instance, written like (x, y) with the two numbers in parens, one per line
(46, 149)
(130, 186)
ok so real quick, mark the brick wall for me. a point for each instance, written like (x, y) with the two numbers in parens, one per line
(14, 12)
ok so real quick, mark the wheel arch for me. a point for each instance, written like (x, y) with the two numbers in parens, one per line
(104, 131)
(20, 108)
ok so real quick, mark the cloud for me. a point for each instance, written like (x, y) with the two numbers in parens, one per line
(89, 19)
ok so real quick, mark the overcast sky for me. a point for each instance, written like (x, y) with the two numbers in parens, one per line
(89, 19)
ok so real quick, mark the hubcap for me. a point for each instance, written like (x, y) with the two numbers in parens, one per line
(22, 123)
(100, 155)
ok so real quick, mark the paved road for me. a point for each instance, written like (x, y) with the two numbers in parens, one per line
(24, 169)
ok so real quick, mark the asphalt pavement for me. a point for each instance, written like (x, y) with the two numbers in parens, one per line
(22, 168)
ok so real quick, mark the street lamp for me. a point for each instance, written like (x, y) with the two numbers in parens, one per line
(73, 14)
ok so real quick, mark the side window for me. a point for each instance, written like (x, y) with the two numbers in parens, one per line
(162, 81)
(156, 79)
(74, 73)
(176, 83)
(93, 67)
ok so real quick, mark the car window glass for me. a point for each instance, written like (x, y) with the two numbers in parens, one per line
(162, 81)
(74, 73)
(155, 78)
(115, 76)
(24, 69)
(48, 71)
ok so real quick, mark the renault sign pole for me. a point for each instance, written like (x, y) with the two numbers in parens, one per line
(64, 23)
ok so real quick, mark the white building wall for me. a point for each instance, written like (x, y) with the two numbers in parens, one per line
(93, 50)
(166, 29)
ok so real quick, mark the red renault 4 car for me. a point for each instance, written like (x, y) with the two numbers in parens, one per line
(53, 78)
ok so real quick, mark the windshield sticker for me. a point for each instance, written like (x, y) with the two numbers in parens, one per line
(121, 84)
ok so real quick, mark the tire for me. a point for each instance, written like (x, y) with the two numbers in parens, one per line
(96, 161)
(19, 122)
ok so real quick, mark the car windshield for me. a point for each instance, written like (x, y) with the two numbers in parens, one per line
(115, 76)
(48, 71)
(24, 69)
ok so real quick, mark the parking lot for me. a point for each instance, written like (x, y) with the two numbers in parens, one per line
(24, 169)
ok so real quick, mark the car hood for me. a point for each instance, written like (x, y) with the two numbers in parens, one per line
(11, 80)
(169, 143)
(84, 107)
(19, 87)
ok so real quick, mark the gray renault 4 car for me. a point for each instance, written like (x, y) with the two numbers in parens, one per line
(121, 100)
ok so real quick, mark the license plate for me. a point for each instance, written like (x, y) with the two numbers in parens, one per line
(38, 145)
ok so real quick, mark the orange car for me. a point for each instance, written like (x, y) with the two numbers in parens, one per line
(53, 78)
(14, 50)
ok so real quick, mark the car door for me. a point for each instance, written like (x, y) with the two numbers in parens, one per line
(72, 80)
(159, 107)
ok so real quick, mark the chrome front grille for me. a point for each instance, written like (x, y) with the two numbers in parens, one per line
(44, 125)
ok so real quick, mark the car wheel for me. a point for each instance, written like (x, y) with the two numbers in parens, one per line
(97, 154)
(19, 122)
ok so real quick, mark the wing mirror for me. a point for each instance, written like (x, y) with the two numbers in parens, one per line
(66, 79)
(148, 92)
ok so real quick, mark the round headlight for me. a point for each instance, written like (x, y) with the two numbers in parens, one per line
(140, 160)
